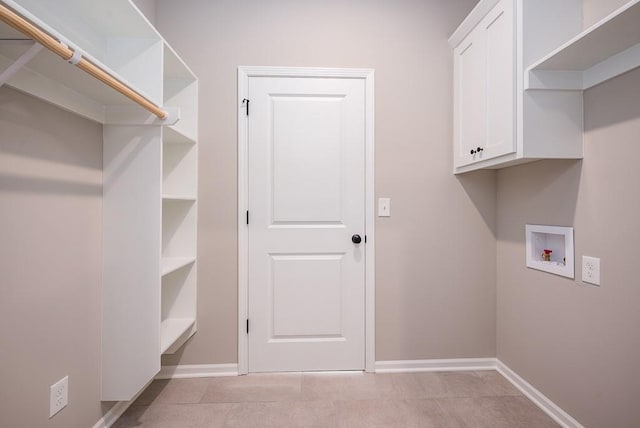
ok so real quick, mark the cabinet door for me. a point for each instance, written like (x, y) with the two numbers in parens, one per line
(484, 89)
(499, 35)
(469, 97)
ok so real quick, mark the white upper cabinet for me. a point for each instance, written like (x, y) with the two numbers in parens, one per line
(484, 89)
(497, 123)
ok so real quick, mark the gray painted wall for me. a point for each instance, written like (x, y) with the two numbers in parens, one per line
(576, 343)
(595, 10)
(50, 262)
(148, 8)
(436, 254)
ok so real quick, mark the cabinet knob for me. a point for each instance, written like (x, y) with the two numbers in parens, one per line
(473, 152)
(480, 149)
(356, 239)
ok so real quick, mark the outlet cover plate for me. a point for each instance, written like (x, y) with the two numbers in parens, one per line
(591, 270)
(58, 396)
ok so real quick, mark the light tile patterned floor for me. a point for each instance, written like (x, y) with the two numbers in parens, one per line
(448, 399)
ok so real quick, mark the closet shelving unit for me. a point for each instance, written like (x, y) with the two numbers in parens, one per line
(150, 170)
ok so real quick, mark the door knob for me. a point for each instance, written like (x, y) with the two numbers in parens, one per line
(356, 239)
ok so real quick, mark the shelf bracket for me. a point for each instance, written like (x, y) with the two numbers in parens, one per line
(20, 62)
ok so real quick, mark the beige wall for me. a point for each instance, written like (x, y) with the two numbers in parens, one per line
(50, 262)
(595, 10)
(436, 254)
(577, 343)
(148, 8)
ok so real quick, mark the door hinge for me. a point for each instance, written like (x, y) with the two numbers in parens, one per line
(247, 325)
(245, 103)
(247, 217)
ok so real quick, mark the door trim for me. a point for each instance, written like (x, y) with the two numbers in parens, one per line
(244, 73)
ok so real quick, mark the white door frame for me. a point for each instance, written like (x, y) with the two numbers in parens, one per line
(244, 73)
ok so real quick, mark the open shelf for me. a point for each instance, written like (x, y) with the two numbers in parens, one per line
(178, 306)
(182, 93)
(175, 197)
(172, 136)
(607, 49)
(179, 171)
(172, 264)
(172, 329)
(179, 228)
(109, 34)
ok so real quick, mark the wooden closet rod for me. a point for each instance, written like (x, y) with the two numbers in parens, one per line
(19, 23)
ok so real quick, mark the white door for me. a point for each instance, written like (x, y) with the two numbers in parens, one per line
(306, 203)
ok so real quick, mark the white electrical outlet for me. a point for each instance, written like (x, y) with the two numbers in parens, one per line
(591, 270)
(59, 396)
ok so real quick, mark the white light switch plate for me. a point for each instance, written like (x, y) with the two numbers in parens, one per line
(591, 270)
(384, 207)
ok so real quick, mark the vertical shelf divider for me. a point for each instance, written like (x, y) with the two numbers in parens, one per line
(179, 206)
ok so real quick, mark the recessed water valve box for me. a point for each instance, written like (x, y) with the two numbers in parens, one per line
(550, 249)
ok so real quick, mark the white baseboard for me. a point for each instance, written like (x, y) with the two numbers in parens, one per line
(197, 370)
(169, 372)
(457, 364)
(401, 366)
(114, 413)
(538, 398)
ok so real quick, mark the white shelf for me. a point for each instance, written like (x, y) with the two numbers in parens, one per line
(179, 170)
(179, 228)
(175, 136)
(172, 264)
(51, 79)
(182, 93)
(607, 49)
(110, 34)
(184, 198)
(173, 329)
